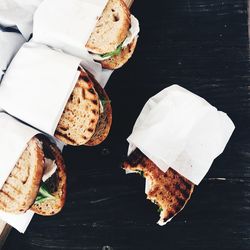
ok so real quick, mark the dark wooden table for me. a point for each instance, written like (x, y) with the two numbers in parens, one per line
(202, 45)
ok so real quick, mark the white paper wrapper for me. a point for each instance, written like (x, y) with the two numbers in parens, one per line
(67, 25)
(10, 42)
(181, 130)
(14, 137)
(19, 14)
(37, 85)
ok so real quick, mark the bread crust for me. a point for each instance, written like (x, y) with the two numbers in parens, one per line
(20, 189)
(51, 207)
(96, 43)
(105, 120)
(170, 191)
(118, 61)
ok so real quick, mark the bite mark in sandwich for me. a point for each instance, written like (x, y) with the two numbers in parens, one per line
(169, 191)
(24, 188)
(114, 38)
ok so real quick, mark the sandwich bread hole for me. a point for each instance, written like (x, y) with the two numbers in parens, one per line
(116, 17)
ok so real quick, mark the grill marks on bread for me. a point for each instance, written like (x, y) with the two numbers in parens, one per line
(20, 189)
(170, 191)
(81, 114)
(111, 28)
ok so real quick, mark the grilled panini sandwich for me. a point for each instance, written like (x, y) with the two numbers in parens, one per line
(114, 38)
(170, 191)
(37, 182)
(87, 117)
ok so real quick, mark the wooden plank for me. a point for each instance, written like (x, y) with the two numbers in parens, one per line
(5, 230)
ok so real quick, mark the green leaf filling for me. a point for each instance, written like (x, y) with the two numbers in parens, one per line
(160, 209)
(113, 53)
(43, 194)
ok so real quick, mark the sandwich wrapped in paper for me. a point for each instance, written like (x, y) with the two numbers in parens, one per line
(50, 91)
(174, 142)
(18, 14)
(32, 176)
(10, 43)
(101, 31)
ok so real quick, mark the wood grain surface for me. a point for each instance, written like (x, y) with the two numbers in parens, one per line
(202, 45)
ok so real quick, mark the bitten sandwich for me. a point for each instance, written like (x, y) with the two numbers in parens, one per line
(169, 191)
(37, 182)
(114, 38)
(87, 117)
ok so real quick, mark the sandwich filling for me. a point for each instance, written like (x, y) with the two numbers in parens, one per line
(132, 34)
(49, 179)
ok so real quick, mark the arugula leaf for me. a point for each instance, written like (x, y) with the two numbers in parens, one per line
(104, 102)
(43, 194)
(113, 53)
(160, 209)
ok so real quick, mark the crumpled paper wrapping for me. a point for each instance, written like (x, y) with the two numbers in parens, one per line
(181, 130)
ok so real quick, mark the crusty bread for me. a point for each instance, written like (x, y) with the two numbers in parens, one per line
(57, 182)
(81, 114)
(105, 120)
(20, 189)
(111, 28)
(118, 61)
(170, 191)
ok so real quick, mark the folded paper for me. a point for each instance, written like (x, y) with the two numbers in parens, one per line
(38, 84)
(11, 42)
(181, 130)
(67, 25)
(18, 14)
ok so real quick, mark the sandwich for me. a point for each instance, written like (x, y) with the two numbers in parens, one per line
(115, 35)
(169, 191)
(37, 182)
(87, 116)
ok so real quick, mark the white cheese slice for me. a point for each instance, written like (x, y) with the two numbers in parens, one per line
(49, 169)
(133, 31)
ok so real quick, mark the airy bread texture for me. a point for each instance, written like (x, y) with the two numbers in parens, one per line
(118, 61)
(111, 28)
(57, 182)
(170, 191)
(20, 189)
(81, 114)
(82, 122)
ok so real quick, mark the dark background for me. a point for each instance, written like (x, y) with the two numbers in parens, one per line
(202, 45)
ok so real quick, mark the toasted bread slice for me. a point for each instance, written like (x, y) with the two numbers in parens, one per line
(57, 183)
(170, 191)
(81, 114)
(118, 61)
(105, 120)
(111, 28)
(20, 189)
